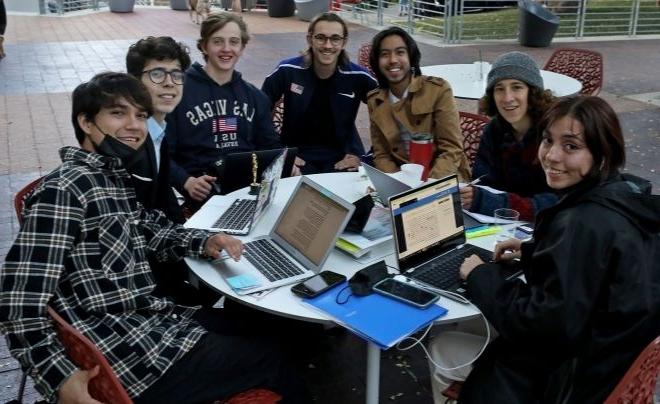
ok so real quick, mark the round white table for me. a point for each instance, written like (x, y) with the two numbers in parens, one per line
(350, 186)
(469, 80)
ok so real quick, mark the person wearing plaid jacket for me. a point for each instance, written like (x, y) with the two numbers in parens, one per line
(83, 248)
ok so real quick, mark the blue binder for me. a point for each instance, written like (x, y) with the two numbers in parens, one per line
(375, 318)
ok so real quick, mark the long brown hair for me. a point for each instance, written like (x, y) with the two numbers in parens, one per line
(308, 55)
(538, 101)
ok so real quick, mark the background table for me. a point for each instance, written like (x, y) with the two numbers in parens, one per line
(467, 81)
(350, 186)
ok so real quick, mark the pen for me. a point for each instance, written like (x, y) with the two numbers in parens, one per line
(475, 181)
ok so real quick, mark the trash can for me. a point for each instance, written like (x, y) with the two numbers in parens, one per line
(281, 8)
(179, 4)
(536, 24)
(308, 9)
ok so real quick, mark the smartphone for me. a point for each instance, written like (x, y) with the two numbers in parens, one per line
(523, 232)
(317, 284)
(406, 292)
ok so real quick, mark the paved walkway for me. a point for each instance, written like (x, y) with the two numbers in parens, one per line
(48, 56)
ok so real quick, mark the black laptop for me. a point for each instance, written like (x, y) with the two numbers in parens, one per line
(234, 171)
(429, 235)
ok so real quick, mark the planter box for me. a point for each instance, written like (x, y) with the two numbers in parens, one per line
(179, 4)
(121, 6)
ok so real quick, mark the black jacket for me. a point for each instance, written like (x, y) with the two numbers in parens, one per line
(590, 305)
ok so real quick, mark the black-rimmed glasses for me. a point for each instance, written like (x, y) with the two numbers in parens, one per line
(321, 39)
(159, 74)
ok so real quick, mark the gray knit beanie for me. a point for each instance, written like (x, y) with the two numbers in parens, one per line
(515, 65)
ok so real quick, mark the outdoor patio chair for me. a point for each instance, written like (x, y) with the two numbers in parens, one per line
(363, 57)
(638, 384)
(278, 115)
(584, 65)
(22, 196)
(472, 126)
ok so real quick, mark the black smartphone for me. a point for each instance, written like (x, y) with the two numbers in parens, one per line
(406, 292)
(317, 284)
(523, 232)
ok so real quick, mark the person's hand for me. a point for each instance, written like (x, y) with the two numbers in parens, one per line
(297, 163)
(469, 264)
(467, 196)
(199, 187)
(507, 250)
(350, 162)
(219, 242)
(74, 389)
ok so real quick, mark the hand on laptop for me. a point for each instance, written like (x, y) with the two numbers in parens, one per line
(295, 170)
(507, 250)
(469, 264)
(350, 162)
(199, 187)
(219, 242)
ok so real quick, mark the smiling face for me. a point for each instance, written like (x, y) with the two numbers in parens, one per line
(121, 120)
(511, 99)
(326, 42)
(394, 61)
(564, 154)
(166, 95)
(223, 49)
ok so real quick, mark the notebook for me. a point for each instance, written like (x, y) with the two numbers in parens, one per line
(298, 244)
(387, 186)
(242, 214)
(429, 235)
(370, 317)
(234, 170)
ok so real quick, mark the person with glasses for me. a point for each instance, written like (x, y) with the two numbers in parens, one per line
(159, 63)
(408, 103)
(321, 91)
(219, 113)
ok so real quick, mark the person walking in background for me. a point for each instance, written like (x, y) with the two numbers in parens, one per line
(322, 92)
(408, 103)
(220, 113)
(506, 159)
(3, 27)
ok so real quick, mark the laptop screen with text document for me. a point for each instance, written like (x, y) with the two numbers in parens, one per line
(427, 221)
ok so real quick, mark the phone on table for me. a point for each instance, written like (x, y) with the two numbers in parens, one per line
(524, 232)
(406, 292)
(317, 284)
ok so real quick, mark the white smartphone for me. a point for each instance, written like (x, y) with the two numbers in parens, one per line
(406, 292)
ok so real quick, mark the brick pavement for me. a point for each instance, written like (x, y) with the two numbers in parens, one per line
(48, 56)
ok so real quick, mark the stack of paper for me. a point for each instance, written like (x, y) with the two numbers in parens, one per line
(377, 231)
(376, 318)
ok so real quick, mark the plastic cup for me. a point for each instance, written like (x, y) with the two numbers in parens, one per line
(505, 217)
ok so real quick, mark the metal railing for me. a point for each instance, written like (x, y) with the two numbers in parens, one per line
(456, 21)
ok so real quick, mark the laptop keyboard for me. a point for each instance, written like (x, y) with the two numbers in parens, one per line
(237, 216)
(443, 272)
(269, 260)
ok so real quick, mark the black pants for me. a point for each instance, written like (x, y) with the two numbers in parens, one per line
(220, 366)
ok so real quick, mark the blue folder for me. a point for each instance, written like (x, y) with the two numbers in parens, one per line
(376, 318)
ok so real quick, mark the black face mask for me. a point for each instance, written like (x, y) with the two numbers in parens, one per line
(136, 161)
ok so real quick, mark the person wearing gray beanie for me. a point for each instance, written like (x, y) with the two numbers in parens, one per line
(506, 157)
(515, 65)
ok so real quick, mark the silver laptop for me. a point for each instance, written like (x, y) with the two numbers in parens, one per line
(385, 185)
(242, 214)
(298, 245)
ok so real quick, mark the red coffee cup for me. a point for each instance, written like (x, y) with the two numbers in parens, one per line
(421, 151)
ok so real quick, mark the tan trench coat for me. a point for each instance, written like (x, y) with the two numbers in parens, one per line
(428, 108)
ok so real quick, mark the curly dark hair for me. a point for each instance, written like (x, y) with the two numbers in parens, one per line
(155, 48)
(538, 102)
(413, 53)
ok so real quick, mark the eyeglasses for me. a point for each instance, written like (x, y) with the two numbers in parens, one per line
(159, 74)
(321, 39)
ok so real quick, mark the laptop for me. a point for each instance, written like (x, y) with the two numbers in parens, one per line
(387, 186)
(242, 214)
(235, 170)
(429, 235)
(298, 244)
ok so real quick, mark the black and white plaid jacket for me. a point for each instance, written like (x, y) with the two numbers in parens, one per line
(83, 250)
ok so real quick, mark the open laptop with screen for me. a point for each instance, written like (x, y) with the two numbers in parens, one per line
(298, 244)
(234, 170)
(429, 235)
(242, 214)
(387, 186)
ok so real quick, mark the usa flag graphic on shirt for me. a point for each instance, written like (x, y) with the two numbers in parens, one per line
(225, 125)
